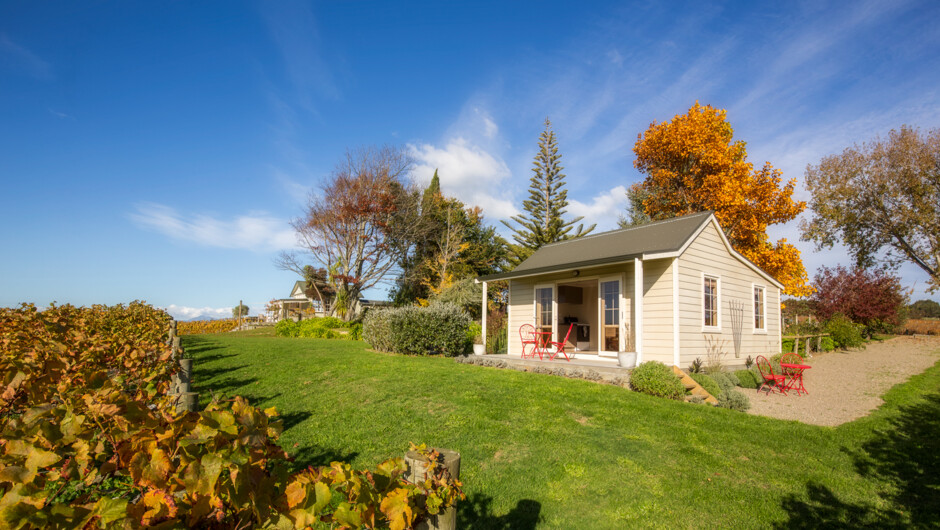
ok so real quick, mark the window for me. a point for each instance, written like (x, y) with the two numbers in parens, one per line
(710, 300)
(759, 319)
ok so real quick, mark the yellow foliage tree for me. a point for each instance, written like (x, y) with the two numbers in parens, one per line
(692, 164)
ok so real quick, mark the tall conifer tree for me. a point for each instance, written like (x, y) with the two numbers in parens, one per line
(543, 222)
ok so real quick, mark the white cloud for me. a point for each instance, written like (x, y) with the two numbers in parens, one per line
(604, 209)
(22, 58)
(467, 172)
(257, 232)
(186, 313)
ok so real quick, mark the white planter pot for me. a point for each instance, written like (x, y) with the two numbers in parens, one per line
(479, 349)
(626, 359)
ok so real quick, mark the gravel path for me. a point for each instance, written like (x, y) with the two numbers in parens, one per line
(844, 386)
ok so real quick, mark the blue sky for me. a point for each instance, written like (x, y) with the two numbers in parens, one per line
(157, 150)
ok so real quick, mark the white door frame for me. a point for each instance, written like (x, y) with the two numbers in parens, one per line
(600, 315)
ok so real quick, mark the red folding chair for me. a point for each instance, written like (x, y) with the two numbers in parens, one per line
(527, 336)
(772, 381)
(560, 346)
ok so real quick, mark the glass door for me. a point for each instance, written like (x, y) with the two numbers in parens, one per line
(610, 315)
(544, 312)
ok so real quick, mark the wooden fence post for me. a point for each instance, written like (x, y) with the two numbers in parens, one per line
(417, 472)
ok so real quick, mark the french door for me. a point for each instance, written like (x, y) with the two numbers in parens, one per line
(545, 311)
(610, 317)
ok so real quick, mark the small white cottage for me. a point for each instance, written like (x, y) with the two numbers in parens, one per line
(670, 290)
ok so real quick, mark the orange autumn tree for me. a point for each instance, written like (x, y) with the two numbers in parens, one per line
(692, 164)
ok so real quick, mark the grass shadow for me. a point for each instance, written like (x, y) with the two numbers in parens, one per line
(317, 455)
(904, 455)
(475, 513)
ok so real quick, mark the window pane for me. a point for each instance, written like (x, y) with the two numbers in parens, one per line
(710, 309)
(758, 308)
(610, 292)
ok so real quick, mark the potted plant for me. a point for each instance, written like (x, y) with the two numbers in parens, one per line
(475, 334)
(627, 358)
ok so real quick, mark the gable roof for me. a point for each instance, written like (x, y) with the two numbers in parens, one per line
(659, 239)
(300, 284)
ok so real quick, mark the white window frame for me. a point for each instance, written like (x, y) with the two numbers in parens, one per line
(757, 330)
(717, 278)
(535, 307)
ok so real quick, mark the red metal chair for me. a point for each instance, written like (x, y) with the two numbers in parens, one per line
(560, 346)
(527, 336)
(772, 381)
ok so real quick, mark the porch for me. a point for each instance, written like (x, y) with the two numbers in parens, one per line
(600, 305)
(608, 369)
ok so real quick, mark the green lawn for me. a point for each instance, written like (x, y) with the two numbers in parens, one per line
(545, 451)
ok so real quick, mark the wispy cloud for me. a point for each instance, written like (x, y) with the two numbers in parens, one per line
(21, 58)
(186, 313)
(61, 115)
(294, 29)
(467, 172)
(256, 232)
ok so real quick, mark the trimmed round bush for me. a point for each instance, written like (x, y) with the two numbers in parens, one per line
(827, 344)
(747, 379)
(377, 329)
(707, 383)
(656, 379)
(439, 329)
(330, 322)
(734, 400)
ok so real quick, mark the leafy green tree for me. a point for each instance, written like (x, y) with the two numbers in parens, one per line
(241, 310)
(881, 200)
(544, 221)
(636, 215)
(924, 309)
(451, 242)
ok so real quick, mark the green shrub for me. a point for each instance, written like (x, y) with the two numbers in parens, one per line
(474, 333)
(286, 328)
(723, 381)
(747, 379)
(707, 383)
(786, 345)
(734, 400)
(377, 329)
(499, 342)
(844, 332)
(440, 329)
(696, 366)
(827, 344)
(355, 331)
(657, 379)
(330, 322)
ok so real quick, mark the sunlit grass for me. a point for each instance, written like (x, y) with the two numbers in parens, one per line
(570, 453)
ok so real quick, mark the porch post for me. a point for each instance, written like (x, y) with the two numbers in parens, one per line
(484, 315)
(638, 307)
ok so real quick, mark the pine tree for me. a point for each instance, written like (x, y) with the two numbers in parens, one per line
(545, 207)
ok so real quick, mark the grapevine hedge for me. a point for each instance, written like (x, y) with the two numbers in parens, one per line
(89, 440)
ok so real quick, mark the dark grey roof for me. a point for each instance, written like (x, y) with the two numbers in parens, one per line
(609, 247)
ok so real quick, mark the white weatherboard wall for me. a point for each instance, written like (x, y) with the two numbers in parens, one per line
(658, 320)
(708, 255)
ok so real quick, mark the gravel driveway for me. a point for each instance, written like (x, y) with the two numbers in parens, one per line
(844, 386)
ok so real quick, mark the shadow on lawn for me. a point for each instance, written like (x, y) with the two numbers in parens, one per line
(475, 513)
(316, 455)
(905, 456)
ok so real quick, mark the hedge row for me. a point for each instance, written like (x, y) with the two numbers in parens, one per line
(434, 330)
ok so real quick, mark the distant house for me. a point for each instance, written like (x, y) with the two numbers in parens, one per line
(300, 304)
(669, 290)
(306, 304)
